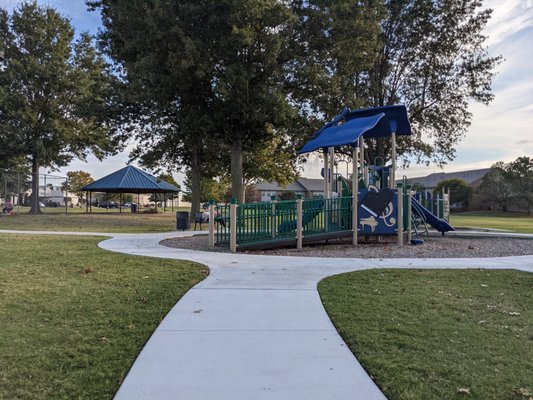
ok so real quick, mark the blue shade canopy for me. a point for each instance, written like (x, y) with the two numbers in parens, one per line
(342, 135)
(369, 123)
(130, 180)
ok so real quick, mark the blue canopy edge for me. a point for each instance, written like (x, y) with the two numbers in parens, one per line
(342, 135)
(369, 123)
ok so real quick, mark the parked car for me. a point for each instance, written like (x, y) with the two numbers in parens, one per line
(107, 204)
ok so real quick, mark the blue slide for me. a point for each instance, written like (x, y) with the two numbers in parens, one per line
(438, 223)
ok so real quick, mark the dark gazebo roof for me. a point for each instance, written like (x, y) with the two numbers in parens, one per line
(130, 180)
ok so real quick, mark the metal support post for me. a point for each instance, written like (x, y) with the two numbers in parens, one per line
(233, 226)
(326, 174)
(44, 197)
(331, 175)
(273, 225)
(299, 222)
(362, 156)
(409, 215)
(355, 193)
(392, 175)
(18, 192)
(400, 216)
(211, 223)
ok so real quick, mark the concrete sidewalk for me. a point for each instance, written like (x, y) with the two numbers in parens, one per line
(256, 328)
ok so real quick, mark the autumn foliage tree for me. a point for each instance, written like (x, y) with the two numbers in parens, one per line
(76, 180)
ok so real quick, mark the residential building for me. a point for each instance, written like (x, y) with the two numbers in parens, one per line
(472, 177)
(306, 187)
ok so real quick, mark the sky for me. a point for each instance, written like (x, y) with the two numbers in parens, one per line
(501, 131)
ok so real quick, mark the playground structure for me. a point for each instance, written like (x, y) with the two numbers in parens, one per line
(383, 208)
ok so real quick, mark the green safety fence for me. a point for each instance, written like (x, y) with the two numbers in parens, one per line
(222, 223)
(277, 221)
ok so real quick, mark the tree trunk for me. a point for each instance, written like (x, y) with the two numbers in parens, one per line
(195, 182)
(236, 171)
(34, 200)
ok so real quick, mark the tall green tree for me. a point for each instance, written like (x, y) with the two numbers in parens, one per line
(211, 189)
(511, 183)
(496, 185)
(520, 175)
(165, 53)
(336, 47)
(53, 91)
(429, 55)
(460, 191)
(433, 59)
(166, 196)
(76, 180)
(211, 74)
(253, 105)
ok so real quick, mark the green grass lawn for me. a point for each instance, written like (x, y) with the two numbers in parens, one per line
(438, 334)
(515, 222)
(74, 317)
(101, 221)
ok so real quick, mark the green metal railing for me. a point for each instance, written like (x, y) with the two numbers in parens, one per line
(222, 219)
(277, 221)
(254, 222)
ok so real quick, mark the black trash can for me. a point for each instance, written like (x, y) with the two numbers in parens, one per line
(182, 220)
(134, 207)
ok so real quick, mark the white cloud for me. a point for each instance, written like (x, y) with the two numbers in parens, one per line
(8, 4)
(508, 18)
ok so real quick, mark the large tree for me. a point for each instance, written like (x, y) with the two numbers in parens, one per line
(520, 175)
(335, 48)
(164, 51)
(434, 60)
(76, 180)
(253, 105)
(511, 182)
(53, 91)
(460, 191)
(496, 185)
(210, 76)
(428, 55)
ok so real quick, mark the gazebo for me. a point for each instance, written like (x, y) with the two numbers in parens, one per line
(128, 180)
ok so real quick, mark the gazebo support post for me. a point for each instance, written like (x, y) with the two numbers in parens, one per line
(86, 202)
(66, 196)
(120, 203)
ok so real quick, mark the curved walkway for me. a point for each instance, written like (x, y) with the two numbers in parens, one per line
(255, 328)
